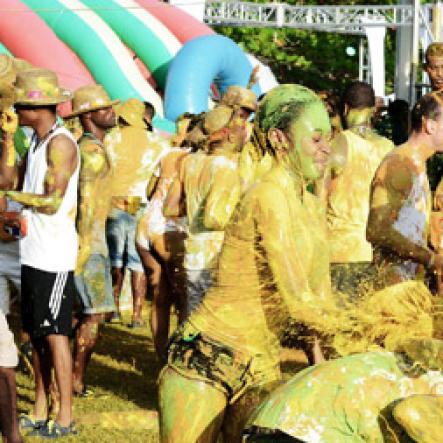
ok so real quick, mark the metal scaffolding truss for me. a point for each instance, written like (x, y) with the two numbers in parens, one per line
(342, 19)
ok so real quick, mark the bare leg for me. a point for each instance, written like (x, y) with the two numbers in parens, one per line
(160, 316)
(117, 283)
(62, 363)
(313, 350)
(191, 411)
(161, 303)
(238, 413)
(138, 286)
(41, 361)
(87, 335)
(173, 246)
(8, 406)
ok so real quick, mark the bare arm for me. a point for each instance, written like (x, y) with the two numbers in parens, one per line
(94, 164)
(173, 205)
(8, 167)
(387, 198)
(62, 161)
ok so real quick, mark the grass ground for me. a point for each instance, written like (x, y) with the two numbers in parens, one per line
(122, 374)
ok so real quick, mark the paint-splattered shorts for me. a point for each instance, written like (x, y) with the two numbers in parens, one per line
(199, 357)
(94, 285)
(120, 234)
(353, 279)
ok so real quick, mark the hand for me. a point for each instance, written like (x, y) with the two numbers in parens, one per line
(9, 121)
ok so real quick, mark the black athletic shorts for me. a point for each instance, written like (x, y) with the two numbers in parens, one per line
(46, 302)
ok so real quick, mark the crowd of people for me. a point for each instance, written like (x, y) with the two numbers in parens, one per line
(285, 219)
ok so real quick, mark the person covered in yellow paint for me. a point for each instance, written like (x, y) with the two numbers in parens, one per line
(160, 243)
(93, 107)
(134, 153)
(356, 154)
(207, 191)
(273, 272)
(253, 162)
(352, 399)
(400, 203)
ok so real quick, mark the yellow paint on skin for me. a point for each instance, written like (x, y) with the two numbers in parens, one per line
(348, 199)
(399, 214)
(95, 192)
(421, 416)
(11, 154)
(143, 150)
(273, 277)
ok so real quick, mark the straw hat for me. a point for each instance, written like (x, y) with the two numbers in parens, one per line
(10, 66)
(132, 111)
(6, 95)
(90, 98)
(217, 119)
(241, 97)
(39, 87)
(7, 69)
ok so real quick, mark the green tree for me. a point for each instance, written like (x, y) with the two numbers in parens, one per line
(315, 59)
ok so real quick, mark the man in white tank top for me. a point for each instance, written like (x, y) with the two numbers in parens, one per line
(48, 182)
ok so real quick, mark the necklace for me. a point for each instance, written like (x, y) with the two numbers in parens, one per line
(44, 138)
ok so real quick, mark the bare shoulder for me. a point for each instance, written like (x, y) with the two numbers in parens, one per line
(396, 173)
(63, 146)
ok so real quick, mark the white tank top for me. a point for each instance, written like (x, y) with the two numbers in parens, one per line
(51, 242)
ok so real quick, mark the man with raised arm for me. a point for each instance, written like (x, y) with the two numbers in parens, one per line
(47, 188)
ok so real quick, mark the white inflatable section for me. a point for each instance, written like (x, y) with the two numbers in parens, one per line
(376, 46)
(195, 8)
(157, 27)
(266, 78)
(118, 51)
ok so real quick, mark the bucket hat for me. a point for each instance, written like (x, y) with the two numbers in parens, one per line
(241, 97)
(39, 87)
(90, 98)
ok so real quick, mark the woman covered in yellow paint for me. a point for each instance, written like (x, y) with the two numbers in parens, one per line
(273, 272)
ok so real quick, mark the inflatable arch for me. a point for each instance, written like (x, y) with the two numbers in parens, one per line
(134, 48)
(200, 62)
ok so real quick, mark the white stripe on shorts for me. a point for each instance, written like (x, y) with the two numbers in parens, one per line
(57, 293)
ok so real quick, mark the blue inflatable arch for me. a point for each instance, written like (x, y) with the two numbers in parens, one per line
(199, 63)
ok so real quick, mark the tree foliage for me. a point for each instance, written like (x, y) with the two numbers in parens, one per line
(315, 59)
